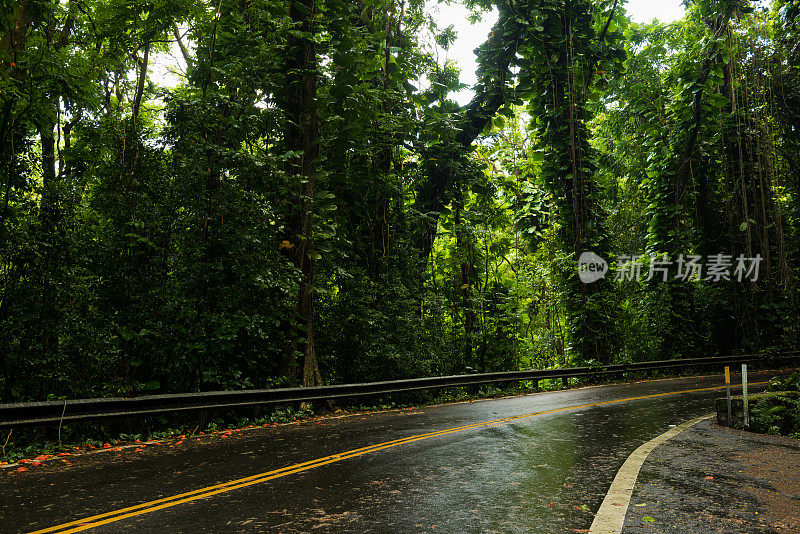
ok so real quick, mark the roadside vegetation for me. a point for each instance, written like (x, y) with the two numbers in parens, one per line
(777, 412)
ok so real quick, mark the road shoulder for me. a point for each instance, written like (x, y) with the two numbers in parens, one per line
(715, 479)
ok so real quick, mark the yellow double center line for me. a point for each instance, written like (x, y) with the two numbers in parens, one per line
(202, 493)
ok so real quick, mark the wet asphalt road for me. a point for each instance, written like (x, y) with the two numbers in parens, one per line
(548, 473)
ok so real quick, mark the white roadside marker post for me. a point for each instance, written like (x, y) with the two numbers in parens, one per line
(744, 396)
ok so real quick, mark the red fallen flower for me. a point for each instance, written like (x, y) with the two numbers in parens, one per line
(43, 457)
(21, 470)
(66, 462)
(35, 463)
(62, 454)
(116, 449)
(178, 442)
(106, 445)
(24, 461)
(139, 450)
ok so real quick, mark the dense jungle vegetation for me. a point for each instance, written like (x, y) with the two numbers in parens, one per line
(310, 204)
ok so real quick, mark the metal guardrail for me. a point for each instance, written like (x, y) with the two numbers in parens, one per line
(45, 413)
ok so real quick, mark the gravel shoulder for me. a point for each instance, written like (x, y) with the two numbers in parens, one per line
(716, 479)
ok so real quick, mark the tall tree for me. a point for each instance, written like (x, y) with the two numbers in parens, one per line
(302, 138)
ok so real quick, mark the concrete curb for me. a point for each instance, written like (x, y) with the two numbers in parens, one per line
(611, 517)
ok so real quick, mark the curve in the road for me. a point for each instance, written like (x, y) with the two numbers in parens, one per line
(202, 493)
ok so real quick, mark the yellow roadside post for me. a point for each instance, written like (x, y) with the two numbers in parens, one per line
(728, 391)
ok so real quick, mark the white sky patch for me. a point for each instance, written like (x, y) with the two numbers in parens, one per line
(647, 10)
(169, 69)
(469, 38)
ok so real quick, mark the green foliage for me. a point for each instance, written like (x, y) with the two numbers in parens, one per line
(777, 414)
(790, 383)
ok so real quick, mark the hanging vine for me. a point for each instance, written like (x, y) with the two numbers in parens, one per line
(571, 45)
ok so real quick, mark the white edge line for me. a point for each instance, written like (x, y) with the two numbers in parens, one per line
(611, 517)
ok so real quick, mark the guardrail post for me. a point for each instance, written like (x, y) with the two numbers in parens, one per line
(472, 389)
(565, 381)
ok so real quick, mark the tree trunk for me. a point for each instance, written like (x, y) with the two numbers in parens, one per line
(302, 131)
(49, 215)
(465, 286)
